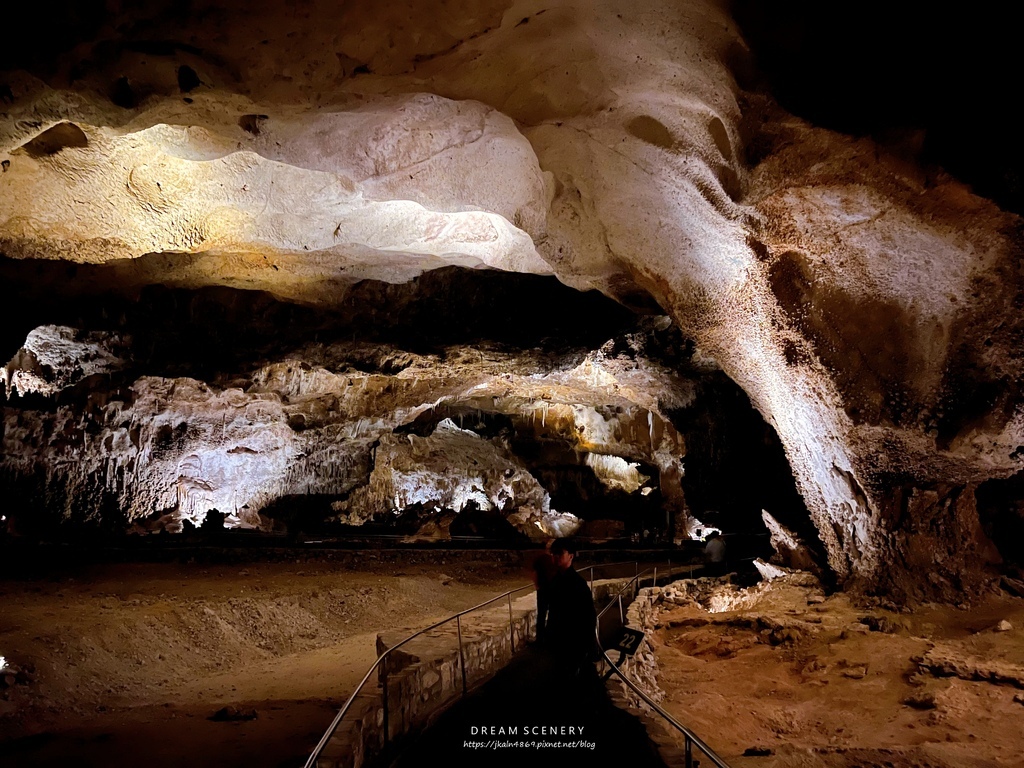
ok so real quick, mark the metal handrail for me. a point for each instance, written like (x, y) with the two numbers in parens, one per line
(314, 756)
(690, 738)
(348, 703)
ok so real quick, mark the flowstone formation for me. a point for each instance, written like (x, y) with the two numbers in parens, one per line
(357, 431)
(864, 300)
(411, 470)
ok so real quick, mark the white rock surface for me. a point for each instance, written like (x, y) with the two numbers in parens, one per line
(55, 357)
(768, 571)
(449, 469)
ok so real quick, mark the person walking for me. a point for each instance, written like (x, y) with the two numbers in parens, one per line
(571, 617)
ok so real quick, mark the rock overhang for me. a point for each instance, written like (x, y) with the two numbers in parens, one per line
(607, 143)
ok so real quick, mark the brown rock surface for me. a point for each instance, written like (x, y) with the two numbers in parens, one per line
(836, 694)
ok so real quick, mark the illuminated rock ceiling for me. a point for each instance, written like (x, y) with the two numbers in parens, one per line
(867, 303)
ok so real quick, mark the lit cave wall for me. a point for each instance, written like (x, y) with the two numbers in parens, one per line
(407, 408)
(310, 255)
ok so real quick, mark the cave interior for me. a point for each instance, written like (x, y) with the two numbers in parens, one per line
(177, 281)
(491, 272)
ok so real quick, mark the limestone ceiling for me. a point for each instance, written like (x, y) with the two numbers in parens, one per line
(860, 298)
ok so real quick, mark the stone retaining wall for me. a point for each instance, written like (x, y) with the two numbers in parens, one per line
(425, 676)
(642, 666)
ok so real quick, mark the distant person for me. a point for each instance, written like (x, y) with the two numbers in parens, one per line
(714, 554)
(543, 572)
(212, 527)
(571, 617)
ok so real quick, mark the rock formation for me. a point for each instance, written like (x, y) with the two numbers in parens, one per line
(864, 300)
(372, 430)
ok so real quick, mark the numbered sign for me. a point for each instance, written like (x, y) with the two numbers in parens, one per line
(629, 641)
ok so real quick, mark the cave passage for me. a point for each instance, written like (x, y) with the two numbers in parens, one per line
(463, 406)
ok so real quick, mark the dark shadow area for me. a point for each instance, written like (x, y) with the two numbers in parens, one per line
(533, 713)
(575, 488)
(200, 332)
(736, 465)
(1001, 510)
(925, 80)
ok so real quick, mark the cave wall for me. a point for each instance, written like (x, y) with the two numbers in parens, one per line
(120, 428)
(864, 301)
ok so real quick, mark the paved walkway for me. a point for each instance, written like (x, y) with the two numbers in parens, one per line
(533, 714)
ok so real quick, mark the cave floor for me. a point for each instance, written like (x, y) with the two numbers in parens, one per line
(829, 684)
(128, 662)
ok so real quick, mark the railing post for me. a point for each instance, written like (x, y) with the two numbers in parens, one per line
(622, 616)
(689, 753)
(462, 655)
(591, 581)
(654, 582)
(511, 627)
(384, 699)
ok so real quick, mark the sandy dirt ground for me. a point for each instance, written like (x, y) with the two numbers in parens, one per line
(809, 681)
(126, 663)
(119, 664)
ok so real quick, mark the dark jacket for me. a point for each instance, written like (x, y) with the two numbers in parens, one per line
(543, 571)
(571, 616)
